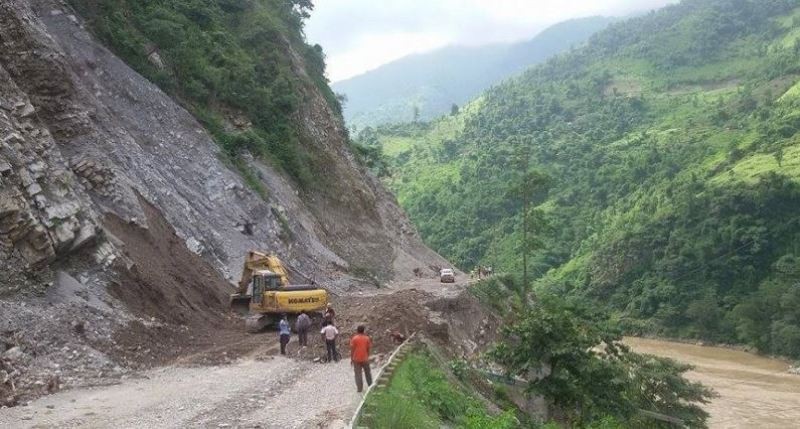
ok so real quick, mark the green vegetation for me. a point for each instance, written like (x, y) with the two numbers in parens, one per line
(499, 293)
(589, 377)
(232, 63)
(435, 83)
(672, 142)
(421, 396)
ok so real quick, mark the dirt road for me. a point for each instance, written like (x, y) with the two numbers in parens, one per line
(257, 390)
(275, 392)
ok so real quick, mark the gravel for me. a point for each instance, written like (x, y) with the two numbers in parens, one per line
(273, 393)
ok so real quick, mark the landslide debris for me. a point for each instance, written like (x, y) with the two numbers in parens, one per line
(122, 225)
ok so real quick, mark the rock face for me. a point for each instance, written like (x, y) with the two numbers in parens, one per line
(83, 136)
(42, 214)
(121, 227)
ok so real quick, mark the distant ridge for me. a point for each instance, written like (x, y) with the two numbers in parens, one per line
(434, 81)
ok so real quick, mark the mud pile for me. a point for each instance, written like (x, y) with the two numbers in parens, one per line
(459, 324)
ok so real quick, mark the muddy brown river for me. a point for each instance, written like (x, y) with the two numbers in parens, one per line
(754, 391)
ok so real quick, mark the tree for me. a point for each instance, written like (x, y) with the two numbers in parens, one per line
(574, 358)
(528, 184)
(454, 109)
(303, 8)
(415, 113)
(778, 154)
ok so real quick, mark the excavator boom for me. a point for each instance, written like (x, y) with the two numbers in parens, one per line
(257, 261)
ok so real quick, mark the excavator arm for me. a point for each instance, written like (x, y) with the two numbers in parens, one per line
(254, 262)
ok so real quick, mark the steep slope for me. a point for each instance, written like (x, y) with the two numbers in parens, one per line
(671, 141)
(122, 222)
(434, 81)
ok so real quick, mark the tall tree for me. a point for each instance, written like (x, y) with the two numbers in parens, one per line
(528, 185)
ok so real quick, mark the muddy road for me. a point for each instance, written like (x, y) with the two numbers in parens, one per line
(754, 391)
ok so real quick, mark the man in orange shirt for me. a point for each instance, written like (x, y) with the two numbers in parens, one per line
(359, 356)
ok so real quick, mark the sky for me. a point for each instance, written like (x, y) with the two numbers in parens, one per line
(360, 35)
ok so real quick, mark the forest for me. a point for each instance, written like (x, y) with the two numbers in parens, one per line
(670, 148)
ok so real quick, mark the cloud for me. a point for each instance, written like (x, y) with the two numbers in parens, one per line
(359, 35)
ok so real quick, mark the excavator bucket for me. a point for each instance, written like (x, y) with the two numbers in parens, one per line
(257, 322)
(240, 304)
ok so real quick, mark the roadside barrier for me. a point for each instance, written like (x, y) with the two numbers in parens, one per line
(384, 375)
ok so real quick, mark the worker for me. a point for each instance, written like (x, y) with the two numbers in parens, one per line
(284, 333)
(302, 325)
(360, 344)
(329, 314)
(329, 333)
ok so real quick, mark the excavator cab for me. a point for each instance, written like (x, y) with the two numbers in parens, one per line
(264, 281)
(261, 282)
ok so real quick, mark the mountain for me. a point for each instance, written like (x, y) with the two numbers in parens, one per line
(434, 81)
(145, 148)
(672, 146)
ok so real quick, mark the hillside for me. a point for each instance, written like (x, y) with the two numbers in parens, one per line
(127, 208)
(434, 81)
(671, 144)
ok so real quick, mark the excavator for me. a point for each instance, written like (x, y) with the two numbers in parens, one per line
(264, 292)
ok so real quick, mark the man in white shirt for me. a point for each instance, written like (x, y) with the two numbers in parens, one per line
(329, 333)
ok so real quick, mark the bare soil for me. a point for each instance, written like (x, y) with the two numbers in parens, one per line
(182, 296)
(205, 374)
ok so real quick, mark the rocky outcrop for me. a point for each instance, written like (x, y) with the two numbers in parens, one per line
(84, 136)
(42, 214)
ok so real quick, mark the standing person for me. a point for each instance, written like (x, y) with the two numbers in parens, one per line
(329, 333)
(329, 314)
(359, 356)
(302, 325)
(284, 333)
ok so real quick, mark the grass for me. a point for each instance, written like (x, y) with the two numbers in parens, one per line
(750, 169)
(394, 146)
(791, 94)
(421, 396)
(494, 293)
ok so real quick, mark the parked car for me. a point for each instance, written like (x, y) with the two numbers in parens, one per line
(446, 275)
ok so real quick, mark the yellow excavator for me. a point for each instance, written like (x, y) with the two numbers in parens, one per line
(265, 293)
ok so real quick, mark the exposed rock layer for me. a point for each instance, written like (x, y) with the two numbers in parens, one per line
(82, 134)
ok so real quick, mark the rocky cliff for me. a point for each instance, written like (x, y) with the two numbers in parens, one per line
(106, 183)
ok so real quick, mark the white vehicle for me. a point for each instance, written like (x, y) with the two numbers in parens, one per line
(446, 275)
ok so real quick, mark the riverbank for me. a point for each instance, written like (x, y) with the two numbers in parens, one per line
(754, 391)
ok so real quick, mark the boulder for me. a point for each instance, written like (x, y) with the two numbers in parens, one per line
(15, 355)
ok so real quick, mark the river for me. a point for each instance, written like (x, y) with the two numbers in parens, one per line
(754, 391)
